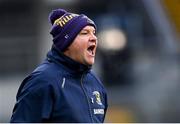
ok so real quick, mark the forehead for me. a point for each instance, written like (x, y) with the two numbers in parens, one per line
(89, 27)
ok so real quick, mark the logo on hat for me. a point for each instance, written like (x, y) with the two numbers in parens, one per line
(64, 19)
(98, 98)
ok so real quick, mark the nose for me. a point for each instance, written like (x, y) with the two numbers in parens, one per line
(93, 38)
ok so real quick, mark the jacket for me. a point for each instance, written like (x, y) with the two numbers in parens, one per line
(60, 90)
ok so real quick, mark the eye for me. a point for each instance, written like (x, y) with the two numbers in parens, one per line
(83, 32)
(94, 32)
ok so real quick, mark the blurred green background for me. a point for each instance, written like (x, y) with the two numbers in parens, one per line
(138, 58)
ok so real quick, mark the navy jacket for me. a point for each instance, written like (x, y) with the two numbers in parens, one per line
(60, 90)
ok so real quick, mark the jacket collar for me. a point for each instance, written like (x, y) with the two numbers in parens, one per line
(73, 66)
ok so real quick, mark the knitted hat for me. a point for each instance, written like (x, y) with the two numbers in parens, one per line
(66, 26)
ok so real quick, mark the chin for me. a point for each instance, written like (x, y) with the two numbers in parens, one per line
(90, 63)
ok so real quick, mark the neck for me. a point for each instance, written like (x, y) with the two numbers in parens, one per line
(73, 65)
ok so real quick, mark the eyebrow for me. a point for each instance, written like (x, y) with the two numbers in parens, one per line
(89, 30)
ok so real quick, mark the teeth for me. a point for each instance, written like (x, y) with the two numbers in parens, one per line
(91, 49)
(91, 52)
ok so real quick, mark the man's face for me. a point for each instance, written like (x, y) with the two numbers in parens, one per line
(83, 48)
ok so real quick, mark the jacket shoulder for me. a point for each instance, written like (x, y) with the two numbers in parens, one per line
(92, 73)
(45, 75)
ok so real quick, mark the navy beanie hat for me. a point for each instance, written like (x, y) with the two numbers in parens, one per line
(66, 26)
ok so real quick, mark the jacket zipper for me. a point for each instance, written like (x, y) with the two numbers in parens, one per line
(90, 112)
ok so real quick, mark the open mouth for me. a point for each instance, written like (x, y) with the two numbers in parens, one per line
(91, 50)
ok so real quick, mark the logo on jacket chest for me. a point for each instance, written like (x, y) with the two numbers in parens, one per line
(96, 98)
